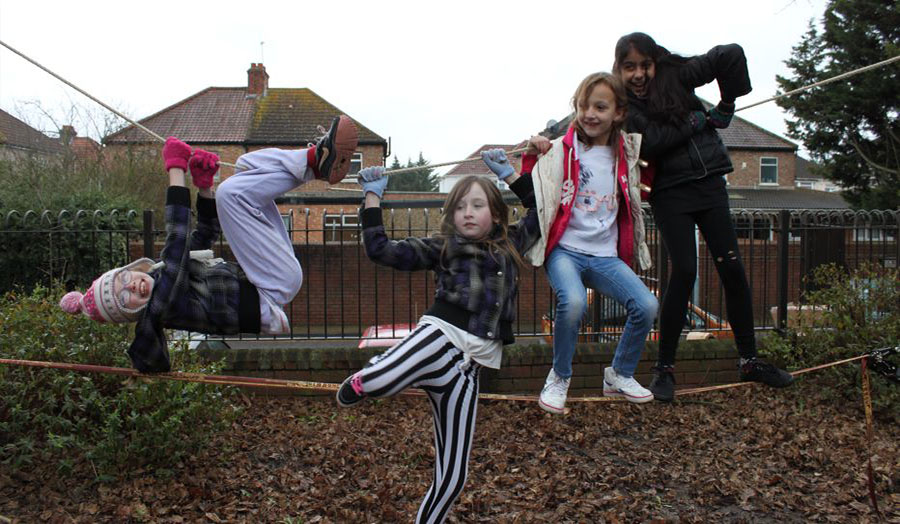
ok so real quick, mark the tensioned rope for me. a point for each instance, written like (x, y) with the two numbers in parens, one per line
(284, 384)
(823, 82)
(452, 162)
(85, 93)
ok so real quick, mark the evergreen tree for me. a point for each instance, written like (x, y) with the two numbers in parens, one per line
(422, 179)
(850, 127)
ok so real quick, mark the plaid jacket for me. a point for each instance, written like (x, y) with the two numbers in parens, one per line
(474, 290)
(189, 294)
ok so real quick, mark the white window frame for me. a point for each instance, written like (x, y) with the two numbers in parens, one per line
(763, 164)
(338, 223)
(355, 167)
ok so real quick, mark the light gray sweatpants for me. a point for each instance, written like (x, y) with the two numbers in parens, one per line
(255, 231)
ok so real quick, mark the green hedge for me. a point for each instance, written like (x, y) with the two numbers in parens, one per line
(110, 422)
(856, 312)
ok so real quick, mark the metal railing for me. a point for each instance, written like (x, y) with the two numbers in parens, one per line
(344, 293)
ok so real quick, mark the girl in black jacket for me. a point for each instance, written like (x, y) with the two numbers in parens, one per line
(687, 159)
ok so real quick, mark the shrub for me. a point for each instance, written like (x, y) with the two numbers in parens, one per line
(51, 229)
(858, 311)
(113, 423)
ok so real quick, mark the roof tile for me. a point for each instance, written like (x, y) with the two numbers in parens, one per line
(229, 115)
(18, 134)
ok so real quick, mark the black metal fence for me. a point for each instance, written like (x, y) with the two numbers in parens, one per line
(343, 293)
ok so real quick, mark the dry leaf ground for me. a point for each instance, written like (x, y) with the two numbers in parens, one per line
(747, 455)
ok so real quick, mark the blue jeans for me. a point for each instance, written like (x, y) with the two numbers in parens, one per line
(569, 272)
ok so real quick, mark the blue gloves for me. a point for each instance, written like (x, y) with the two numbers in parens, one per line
(720, 116)
(498, 163)
(372, 180)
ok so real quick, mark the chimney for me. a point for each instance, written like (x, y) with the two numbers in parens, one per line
(67, 134)
(257, 80)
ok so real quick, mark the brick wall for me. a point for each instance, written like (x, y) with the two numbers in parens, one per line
(344, 292)
(523, 370)
(342, 288)
(746, 168)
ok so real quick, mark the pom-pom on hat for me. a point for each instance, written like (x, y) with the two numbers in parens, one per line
(100, 302)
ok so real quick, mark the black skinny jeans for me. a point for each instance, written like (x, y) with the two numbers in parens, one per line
(677, 230)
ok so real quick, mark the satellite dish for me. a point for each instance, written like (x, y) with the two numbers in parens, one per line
(551, 124)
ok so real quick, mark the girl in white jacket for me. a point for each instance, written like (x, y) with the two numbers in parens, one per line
(587, 187)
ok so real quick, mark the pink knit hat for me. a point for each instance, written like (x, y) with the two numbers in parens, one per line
(99, 302)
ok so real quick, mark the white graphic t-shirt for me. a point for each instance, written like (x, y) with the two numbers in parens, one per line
(592, 227)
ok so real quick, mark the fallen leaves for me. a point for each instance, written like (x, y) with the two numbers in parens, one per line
(753, 454)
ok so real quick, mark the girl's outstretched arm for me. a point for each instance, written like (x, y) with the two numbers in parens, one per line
(408, 255)
(204, 166)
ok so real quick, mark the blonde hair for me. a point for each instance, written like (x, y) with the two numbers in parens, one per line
(583, 92)
(499, 213)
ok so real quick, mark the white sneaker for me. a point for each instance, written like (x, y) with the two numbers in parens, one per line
(615, 385)
(553, 396)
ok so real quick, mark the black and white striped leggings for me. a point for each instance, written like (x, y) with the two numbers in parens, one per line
(427, 359)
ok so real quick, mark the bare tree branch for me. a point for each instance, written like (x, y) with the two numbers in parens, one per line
(869, 161)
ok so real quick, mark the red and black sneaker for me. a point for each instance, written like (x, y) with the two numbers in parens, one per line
(335, 150)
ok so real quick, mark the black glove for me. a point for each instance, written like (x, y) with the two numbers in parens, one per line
(720, 116)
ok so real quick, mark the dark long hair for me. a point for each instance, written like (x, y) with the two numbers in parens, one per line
(668, 100)
(640, 42)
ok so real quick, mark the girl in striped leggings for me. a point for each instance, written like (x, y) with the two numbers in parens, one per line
(476, 259)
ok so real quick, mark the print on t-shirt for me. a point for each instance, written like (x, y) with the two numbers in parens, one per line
(592, 225)
(588, 201)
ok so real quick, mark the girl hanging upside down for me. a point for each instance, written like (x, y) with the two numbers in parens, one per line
(188, 289)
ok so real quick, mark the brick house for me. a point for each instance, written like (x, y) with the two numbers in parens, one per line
(807, 178)
(231, 121)
(450, 178)
(19, 140)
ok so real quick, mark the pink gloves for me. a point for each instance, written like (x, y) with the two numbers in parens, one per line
(176, 153)
(204, 166)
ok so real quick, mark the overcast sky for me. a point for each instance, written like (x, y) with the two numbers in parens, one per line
(440, 78)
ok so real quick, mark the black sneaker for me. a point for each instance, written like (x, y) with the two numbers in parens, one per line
(346, 395)
(756, 370)
(663, 384)
(334, 150)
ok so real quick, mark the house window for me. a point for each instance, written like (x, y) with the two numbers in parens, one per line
(768, 170)
(874, 234)
(355, 167)
(805, 185)
(341, 228)
(288, 221)
(758, 228)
